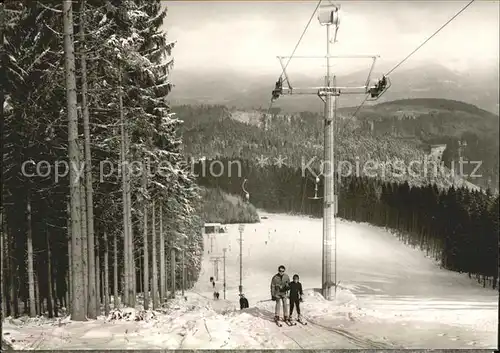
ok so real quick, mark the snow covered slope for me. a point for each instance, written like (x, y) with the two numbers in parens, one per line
(389, 284)
(391, 296)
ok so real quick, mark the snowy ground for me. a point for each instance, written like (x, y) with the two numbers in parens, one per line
(391, 297)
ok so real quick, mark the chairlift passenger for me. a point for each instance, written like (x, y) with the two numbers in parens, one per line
(383, 83)
(278, 89)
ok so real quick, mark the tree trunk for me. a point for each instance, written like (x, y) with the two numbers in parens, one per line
(67, 296)
(9, 273)
(140, 288)
(131, 250)
(98, 276)
(50, 305)
(2, 253)
(146, 254)
(83, 223)
(102, 284)
(116, 300)
(183, 266)
(154, 264)
(126, 245)
(2, 100)
(38, 300)
(31, 278)
(162, 259)
(92, 313)
(78, 297)
(172, 270)
(132, 273)
(106, 276)
(69, 287)
(7, 270)
(122, 279)
(55, 292)
(14, 306)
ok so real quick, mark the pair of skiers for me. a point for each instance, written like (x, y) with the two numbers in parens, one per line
(281, 289)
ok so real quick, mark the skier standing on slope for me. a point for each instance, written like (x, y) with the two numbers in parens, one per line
(280, 284)
(296, 296)
(243, 302)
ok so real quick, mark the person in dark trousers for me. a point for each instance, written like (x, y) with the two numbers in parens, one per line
(295, 296)
(280, 284)
(243, 302)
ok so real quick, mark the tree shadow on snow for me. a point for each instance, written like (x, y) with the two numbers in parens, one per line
(260, 313)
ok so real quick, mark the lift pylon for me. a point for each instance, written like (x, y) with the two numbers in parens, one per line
(329, 15)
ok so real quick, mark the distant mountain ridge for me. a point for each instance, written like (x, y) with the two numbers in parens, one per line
(251, 91)
(413, 122)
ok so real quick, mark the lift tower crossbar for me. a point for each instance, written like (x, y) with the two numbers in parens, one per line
(329, 15)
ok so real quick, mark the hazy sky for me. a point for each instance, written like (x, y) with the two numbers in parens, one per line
(248, 35)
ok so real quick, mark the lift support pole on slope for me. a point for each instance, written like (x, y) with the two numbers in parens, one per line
(328, 15)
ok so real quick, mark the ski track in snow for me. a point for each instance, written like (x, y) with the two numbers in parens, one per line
(390, 296)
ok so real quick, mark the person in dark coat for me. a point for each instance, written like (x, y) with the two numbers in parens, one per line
(243, 302)
(279, 292)
(295, 295)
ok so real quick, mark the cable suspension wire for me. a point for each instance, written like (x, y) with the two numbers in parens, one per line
(301, 36)
(414, 51)
(425, 41)
(297, 45)
(359, 106)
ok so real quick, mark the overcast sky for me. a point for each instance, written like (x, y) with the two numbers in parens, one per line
(248, 35)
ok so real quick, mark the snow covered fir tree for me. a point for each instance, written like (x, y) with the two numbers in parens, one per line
(122, 64)
(134, 219)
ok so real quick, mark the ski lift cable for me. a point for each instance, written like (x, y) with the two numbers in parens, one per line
(414, 51)
(301, 36)
(360, 106)
(424, 42)
(296, 46)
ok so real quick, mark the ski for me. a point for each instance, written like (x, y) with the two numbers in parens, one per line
(302, 322)
(289, 323)
(277, 323)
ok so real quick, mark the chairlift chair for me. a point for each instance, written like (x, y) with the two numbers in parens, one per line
(377, 90)
(316, 197)
(247, 194)
(278, 89)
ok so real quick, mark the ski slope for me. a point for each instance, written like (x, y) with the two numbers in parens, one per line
(391, 296)
(391, 293)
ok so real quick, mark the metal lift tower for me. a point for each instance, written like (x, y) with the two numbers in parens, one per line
(329, 16)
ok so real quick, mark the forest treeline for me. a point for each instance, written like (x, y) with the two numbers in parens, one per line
(85, 83)
(220, 207)
(442, 121)
(209, 131)
(436, 128)
(456, 226)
